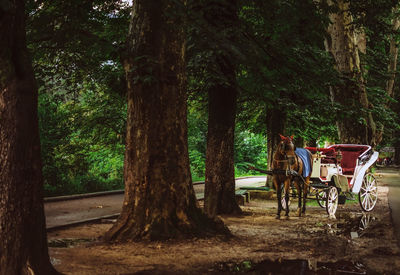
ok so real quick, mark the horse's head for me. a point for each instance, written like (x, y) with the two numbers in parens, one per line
(286, 146)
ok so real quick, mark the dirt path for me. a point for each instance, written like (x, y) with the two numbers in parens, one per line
(261, 244)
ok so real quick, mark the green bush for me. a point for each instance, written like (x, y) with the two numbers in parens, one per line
(197, 164)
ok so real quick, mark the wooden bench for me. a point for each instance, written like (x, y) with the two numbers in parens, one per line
(260, 192)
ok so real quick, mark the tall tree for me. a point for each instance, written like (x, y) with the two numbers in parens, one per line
(393, 55)
(159, 200)
(355, 122)
(23, 240)
(396, 135)
(392, 67)
(219, 194)
(276, 119)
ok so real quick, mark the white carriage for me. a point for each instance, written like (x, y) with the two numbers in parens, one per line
(341, 172)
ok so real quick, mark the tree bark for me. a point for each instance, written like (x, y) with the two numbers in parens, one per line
(393, 54)
(160, 202)
(23, 239)
(276, 119)
(355, 122)
(396, 159)
(392, 71)
(299, 142)
(392, 68)
(311, 143)
(219, 196)
(396, 135)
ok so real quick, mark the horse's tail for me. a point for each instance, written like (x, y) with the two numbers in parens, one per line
(311, 162)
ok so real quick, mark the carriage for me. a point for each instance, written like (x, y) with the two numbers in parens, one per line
(341, 172)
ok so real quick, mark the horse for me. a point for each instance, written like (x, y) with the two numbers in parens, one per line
(284, 161)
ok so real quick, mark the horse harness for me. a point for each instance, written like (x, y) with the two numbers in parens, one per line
(288, 171)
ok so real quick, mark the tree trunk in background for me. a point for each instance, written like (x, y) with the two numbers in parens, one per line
(311, 143)
(299, 142)
(392, 70)
(393, 54)
(396, 159)
(276, 119)
(219, 193)
(396, 144)
(354, 125)
(219, 197)
(160, 202)
(23, 239)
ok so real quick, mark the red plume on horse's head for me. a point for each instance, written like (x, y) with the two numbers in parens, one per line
(286, 138)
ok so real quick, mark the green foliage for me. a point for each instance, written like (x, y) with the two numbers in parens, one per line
(71, 41)
(278, 50)
(376, 19)
(250, 148)
(82, 143)
(290, 69)
(76, 48)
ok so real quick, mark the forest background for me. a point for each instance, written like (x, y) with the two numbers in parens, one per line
(284, 72)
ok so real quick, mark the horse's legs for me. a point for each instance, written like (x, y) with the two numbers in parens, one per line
(306, 186)
(299, 190)
(278, 187)
(287, 187)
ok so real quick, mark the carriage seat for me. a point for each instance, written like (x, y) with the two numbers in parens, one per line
(350, 154)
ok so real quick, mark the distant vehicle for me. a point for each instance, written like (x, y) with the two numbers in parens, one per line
(387, 161)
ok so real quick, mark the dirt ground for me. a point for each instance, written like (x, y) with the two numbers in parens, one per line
(313, 244)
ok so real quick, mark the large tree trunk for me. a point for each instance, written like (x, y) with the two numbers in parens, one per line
(396, 159)
(355, 123)
(219, 197)
(276, 119)
(160, 202)
(23, 239)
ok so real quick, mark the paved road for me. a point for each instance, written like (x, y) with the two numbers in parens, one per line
(60, 213)
(392, 178)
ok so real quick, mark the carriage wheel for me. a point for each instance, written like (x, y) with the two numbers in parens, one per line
(283, 200)
(368, 193)
(332, 199)
(321, 197)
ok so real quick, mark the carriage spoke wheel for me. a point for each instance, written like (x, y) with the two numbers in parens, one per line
(368, 193)
(332, 199)
(321, 197)
(283, 200)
